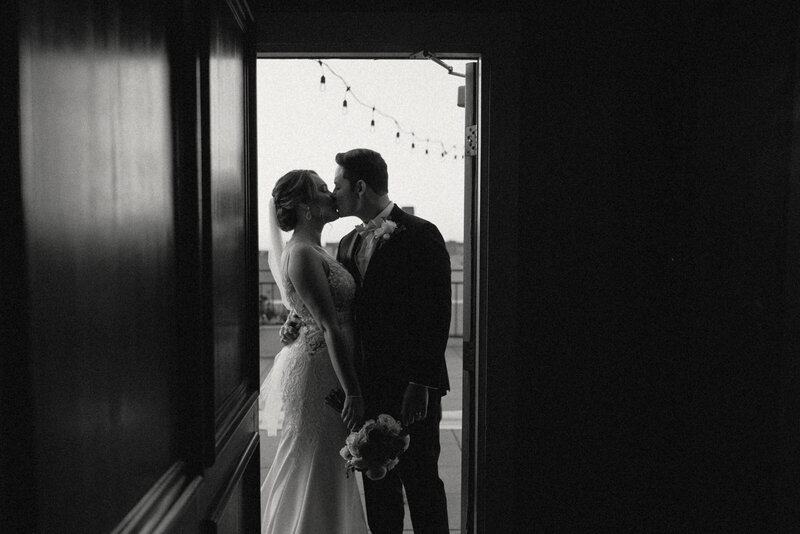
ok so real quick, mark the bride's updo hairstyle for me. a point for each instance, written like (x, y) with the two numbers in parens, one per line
(293, 188)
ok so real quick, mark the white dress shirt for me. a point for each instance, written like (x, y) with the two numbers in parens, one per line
(367, 247)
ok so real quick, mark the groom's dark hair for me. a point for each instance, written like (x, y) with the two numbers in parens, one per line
(365, 164)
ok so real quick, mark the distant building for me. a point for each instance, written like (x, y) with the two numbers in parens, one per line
(272, 311)
(454, 248)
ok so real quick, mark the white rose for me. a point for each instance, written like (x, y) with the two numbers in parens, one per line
(389, 423)
(386, 228)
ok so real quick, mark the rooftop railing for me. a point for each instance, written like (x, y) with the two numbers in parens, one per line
(272, 310)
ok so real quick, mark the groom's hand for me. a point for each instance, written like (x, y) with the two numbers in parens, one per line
(290, 329)
(415, 404)
(353, 412)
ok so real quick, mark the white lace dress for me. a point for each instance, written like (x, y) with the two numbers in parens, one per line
(307, 489)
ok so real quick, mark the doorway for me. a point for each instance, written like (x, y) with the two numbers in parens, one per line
(412, 111)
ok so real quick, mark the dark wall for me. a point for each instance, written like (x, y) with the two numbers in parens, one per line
(655, 269)
(602, 277)
(745, 90)
(128, 384)
(97, 199)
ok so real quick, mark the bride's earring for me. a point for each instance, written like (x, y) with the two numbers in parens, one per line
(308, 214)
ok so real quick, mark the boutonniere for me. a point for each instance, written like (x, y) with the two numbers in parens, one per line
(387, 229)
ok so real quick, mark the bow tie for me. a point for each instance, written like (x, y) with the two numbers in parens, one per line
(364, 229)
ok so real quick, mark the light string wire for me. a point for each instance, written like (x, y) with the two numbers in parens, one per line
(375, 110)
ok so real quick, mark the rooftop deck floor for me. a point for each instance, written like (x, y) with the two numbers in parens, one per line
(450, 436)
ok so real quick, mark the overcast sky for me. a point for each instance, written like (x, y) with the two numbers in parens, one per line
(300, 126)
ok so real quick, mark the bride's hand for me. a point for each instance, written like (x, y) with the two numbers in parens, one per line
(353, 412)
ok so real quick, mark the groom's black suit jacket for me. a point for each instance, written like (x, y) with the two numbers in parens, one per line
(402, 311)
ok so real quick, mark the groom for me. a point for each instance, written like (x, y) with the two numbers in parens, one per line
(402, 319)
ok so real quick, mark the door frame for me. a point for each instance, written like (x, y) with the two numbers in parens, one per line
(496, 488)
(472, 406)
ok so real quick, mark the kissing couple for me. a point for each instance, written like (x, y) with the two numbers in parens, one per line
(374, 323)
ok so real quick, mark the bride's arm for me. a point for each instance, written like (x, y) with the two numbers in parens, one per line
(307, 274)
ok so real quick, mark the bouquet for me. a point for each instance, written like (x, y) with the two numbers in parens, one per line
(374, 449)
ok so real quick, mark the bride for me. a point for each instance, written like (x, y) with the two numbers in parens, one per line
(306, 489)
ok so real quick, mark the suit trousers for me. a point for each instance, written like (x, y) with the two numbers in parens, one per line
(418, 473)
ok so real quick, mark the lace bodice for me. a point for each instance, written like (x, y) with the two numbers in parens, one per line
(309, 375)
(343, 289)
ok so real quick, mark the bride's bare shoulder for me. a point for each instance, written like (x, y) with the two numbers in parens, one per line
(300, 250)
(299, 255)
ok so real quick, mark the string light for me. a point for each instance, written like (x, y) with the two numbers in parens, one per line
(322, 86)
(344, 102)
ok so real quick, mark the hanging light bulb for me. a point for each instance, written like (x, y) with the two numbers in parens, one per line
(412, 141)
(397, 138)
(426, 146)
(372, 122)
(322, 78)
(344, 102)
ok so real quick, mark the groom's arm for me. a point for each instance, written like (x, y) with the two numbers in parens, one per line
(430, 307)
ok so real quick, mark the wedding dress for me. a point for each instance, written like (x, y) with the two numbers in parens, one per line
(307, 490)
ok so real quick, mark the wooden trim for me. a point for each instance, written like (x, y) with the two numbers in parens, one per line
(17, 463)
(241, 13)
(163, 503)
(231, 413)
(481, 305)
(226, 460)
(206, 311)
(471, 205)
(210, 524)
(252, 343)
(188, 241)
(183, 504)
(282, 51)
